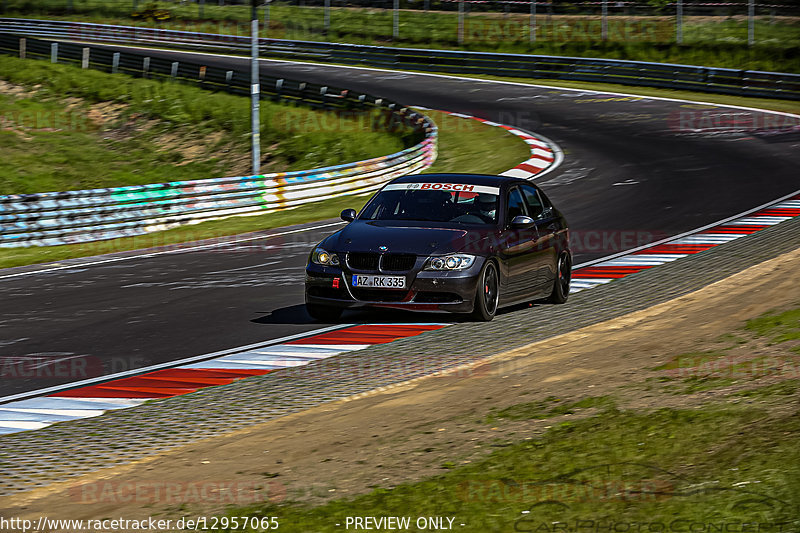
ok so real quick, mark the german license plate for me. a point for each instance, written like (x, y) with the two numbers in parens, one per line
(379, 282)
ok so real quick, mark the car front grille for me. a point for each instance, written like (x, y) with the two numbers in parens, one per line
(398, 262)
(362, 260)
(369, 261)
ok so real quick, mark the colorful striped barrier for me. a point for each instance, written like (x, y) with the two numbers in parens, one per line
(94, 400)
(58, 218)
(51, 219)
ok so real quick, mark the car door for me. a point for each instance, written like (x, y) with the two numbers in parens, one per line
(546, 227)
(518, 249)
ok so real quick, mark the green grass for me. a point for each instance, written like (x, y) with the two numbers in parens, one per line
(547, 408)
(719, 41)
(715, 465)
(784, 388)
(80, 153)
(469, 146)
(779, 327)
(464, 146)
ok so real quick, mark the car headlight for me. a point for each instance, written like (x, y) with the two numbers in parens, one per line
(321, 257)
(450, 262)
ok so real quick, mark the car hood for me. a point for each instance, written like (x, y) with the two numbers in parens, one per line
(402, 237)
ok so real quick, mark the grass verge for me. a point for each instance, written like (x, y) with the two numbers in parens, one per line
(64, 128)
(728, 464)
(464, 146)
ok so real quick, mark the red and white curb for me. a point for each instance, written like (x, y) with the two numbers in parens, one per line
(651, 255)
(545, 154)
(94, 400)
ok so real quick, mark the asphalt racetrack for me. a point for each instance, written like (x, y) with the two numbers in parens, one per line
(635, 170)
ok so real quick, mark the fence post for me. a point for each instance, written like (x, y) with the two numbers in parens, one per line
(85, 58)
(751, 23)
(266, 17)
(255, 93)
(146, 67)
(679, 22)
(54, 52)
(115, 63)
(174, 70)
(22, 47)
(396, 20)
(326, 16)
(460, 21)
(228, 78)
(532, 30)
(605, 20)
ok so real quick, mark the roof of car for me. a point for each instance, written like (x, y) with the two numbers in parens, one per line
(476, 179)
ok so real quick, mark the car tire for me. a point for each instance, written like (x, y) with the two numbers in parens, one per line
(323, 313)
(487, 293)
(563, 277)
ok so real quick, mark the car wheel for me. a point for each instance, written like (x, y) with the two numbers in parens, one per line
(563, 276)
(487, 294)
(323, 313)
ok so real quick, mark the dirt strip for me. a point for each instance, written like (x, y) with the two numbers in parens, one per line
(408, 431)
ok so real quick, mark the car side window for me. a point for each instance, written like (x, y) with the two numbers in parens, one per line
(516, 205)
(533, 201)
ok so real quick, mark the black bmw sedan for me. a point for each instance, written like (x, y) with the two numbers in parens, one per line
(459, 243)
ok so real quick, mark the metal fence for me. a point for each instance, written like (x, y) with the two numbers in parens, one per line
(704, 79)
(55, 218)
(451, 21)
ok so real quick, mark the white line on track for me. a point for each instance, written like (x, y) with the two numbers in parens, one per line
(162, 252)
(687, 233)
(169, 364)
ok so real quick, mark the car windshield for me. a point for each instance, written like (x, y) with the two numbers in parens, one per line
(434, 202)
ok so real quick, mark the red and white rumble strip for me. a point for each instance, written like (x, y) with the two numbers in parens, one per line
(545, 154)
(648, 256)
(254, 360)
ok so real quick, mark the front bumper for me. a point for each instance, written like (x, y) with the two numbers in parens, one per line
(430, 291)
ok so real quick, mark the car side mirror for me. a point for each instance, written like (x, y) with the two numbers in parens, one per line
(547, 213)
(521, 221)
(348, 215)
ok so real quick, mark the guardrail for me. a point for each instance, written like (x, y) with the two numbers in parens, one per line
(694, 78)
(56, 218)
